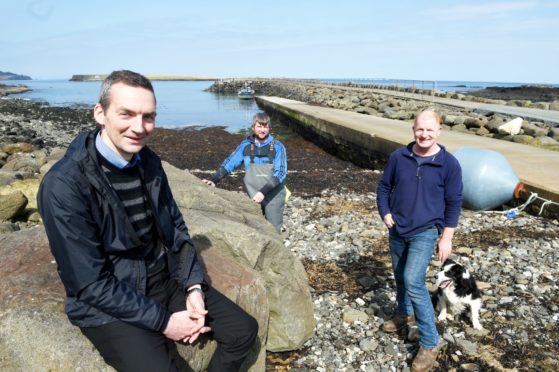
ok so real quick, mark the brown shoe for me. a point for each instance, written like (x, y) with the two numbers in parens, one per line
(425, 358)
(397, 322)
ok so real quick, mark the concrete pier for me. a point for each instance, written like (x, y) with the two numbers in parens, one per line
(368, 140)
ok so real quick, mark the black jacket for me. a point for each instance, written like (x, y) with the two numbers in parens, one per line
(100, 257)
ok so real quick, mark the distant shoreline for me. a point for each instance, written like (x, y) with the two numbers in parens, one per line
(101, 77)
(13, 89)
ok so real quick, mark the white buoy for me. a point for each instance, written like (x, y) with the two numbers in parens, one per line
(488, 179)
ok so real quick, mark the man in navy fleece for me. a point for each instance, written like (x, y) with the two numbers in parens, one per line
(419, 199)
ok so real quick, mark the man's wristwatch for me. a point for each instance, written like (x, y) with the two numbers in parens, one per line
(195, 289)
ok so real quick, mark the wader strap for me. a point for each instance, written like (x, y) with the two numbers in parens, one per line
(271, 152)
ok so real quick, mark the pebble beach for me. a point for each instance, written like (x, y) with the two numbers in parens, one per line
(333, 226)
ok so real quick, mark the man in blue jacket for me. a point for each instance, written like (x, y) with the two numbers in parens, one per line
(265, 163)
(123, 252)
(419, 199)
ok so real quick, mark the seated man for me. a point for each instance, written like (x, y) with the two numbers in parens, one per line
(123, 251)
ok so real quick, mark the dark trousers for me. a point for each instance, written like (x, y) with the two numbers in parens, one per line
(129, 348)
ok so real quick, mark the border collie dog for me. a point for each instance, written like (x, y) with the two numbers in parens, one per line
(456, 289)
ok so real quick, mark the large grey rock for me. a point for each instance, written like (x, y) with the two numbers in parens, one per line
(8, 227)
(40, 156)
(460, 128)
(11, 205)
(231, 222)
(460, 120)
(7, 176)
(540, 105)
(366, 110)
(494, 124)
(545, 141)
(473, 123)
(13, 148)
(35, 334)
(449, 119)
(534, 130)
(28, 187)
(23, 162)
(523, 138)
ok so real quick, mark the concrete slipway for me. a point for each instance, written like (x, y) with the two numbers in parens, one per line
(368, 140)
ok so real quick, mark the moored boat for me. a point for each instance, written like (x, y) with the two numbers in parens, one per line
(246, 92)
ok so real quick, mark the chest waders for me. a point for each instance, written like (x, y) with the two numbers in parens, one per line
(258, 175)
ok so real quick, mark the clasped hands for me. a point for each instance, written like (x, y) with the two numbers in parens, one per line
(187, 325)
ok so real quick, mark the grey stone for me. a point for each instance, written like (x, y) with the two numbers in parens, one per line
(14, 148)
(12, 205)
(449, 119)
(534, 130)
(467, 346)
(22, 162)
(7, 176)
(540, 105)
(460, 128)
(545, 141)
(554, 105)
(8, 227)
(523, 138)
(368, 345)
(460, 120)
(494, 124)
(473, 123)
(350, 315)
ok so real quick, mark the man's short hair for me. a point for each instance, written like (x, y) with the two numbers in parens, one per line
(262, 118)
(127, 77)
(430, 111)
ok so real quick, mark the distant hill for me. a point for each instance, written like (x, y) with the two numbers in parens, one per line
(12, 76)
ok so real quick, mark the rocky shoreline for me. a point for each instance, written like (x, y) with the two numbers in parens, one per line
(360, 99)
(343, 245)
(333, 227)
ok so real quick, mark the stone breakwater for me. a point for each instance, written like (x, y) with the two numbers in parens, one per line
(358, 99)
(343, 244)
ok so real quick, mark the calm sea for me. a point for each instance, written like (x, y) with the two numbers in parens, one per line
(185, 103)
(179, 103)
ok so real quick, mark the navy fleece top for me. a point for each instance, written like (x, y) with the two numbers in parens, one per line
(420, 196)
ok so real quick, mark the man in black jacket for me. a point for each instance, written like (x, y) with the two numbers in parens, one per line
(123, 251)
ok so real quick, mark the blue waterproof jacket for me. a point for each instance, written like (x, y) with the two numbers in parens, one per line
(420, 196)
(99, 255)
(242, 155)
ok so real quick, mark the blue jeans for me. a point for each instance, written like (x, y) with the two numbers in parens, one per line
(410, 258)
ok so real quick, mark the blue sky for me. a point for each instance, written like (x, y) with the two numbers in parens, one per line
(476, 40)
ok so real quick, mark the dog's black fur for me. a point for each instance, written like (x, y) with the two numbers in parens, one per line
(457, 288)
